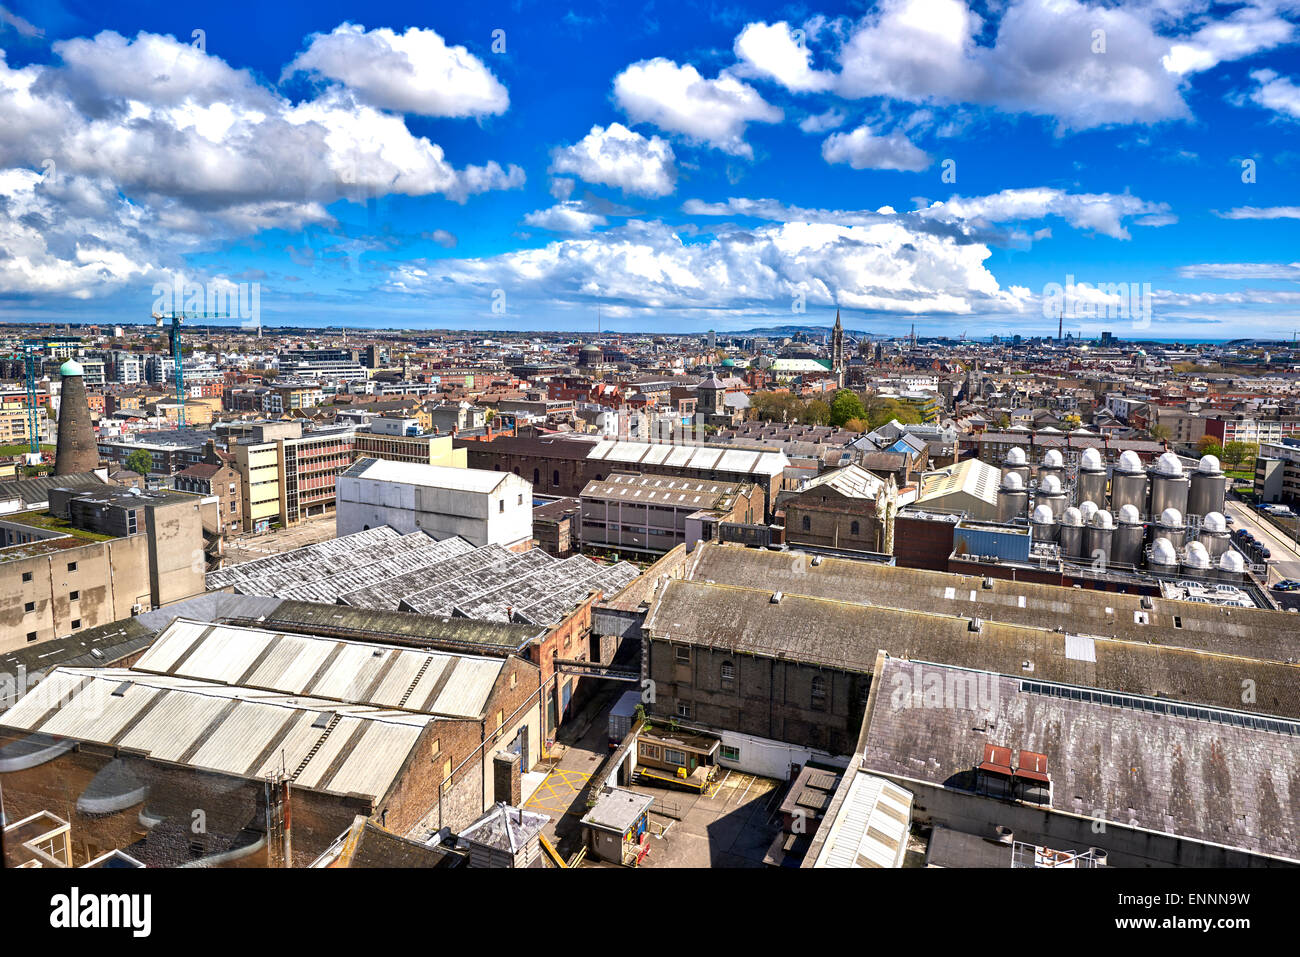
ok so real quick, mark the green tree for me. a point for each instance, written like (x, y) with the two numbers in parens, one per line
(816, 412)
(846, 405)
(1161, 433)
(1236, 453)
(1209, 445)
(139, 461)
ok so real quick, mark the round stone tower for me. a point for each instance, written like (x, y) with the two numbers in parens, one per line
(77, 450)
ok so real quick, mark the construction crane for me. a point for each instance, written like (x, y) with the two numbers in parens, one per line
(33, 431)
(178, 368)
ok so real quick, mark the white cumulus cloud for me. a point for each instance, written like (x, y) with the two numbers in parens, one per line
(679, 100)
(622, 158)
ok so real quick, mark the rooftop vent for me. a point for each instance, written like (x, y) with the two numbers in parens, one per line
(776, 597)
(988, 582)
(976, 624)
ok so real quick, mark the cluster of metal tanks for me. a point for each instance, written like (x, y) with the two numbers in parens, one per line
(1114, 516)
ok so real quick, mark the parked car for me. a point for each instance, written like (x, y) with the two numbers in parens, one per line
(1287, 584)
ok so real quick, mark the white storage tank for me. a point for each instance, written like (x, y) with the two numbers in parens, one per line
(1016, 462)
(1231, 565)
(1091, 483)
(1087, 509)
(1053, 464)
(1208, 485)
(1071, 533)
(1170, 525)
(1169, 485)
(1196, 560)
(1097, 537)
(1164, 557)
(1214, 534)
(1128, 484)
(1129, 538)
(1013, 497)
(1042, 524)
(1052, 494)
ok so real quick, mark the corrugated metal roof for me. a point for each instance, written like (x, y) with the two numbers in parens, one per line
(292, 663)
(870, 829)
(222, 728)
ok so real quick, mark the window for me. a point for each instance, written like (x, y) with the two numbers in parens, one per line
(76, 623)
(728, 672)
(537, 476)
(72, 566)
(74, 595)
(683, 709)
(501, 505)
(819, 693)
(555, 478)
(27, 576)
(673, 756)
(30, 606)
(521, 498)
(855, 529)
(434, 748)
(729, 753)
(31, 636)
(651, 751)
(807, 524)
(683, 655)
(446, 769)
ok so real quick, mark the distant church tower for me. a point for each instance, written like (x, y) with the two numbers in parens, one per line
(837, 350)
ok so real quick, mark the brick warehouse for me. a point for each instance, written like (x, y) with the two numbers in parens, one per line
(125, 754)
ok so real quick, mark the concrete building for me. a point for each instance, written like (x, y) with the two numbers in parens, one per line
(95, 557)
(483, 508)
(652, 514)
(379, 442)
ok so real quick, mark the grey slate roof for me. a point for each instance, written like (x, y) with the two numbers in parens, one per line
(1204, 780)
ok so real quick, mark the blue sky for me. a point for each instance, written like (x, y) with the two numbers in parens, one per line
(677, 166)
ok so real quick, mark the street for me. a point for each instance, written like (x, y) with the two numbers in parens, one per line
(1286, 560)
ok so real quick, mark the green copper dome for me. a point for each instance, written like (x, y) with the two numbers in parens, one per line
(71, 367)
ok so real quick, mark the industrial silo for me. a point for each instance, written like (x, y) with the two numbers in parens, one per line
(1013, 497)
(1088, 509)
(1091, 483)
(1208, 483)
(1042, 524)
(1231, 566)
(1196, 560)
(1168, 485)
(1053, 464)
(1128, 484)
(1127, 547)
(1214, 533)
(1015, 462)
(1170, 525)
(1164, 557)
(1071, 533)
(1052, 494)
(1097, 537)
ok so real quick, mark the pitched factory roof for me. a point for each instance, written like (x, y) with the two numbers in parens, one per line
(1120, 760)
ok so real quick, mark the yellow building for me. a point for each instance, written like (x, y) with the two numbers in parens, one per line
(259, 475)
(423, 449)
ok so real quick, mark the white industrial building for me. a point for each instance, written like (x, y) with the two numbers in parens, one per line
(484, 508)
